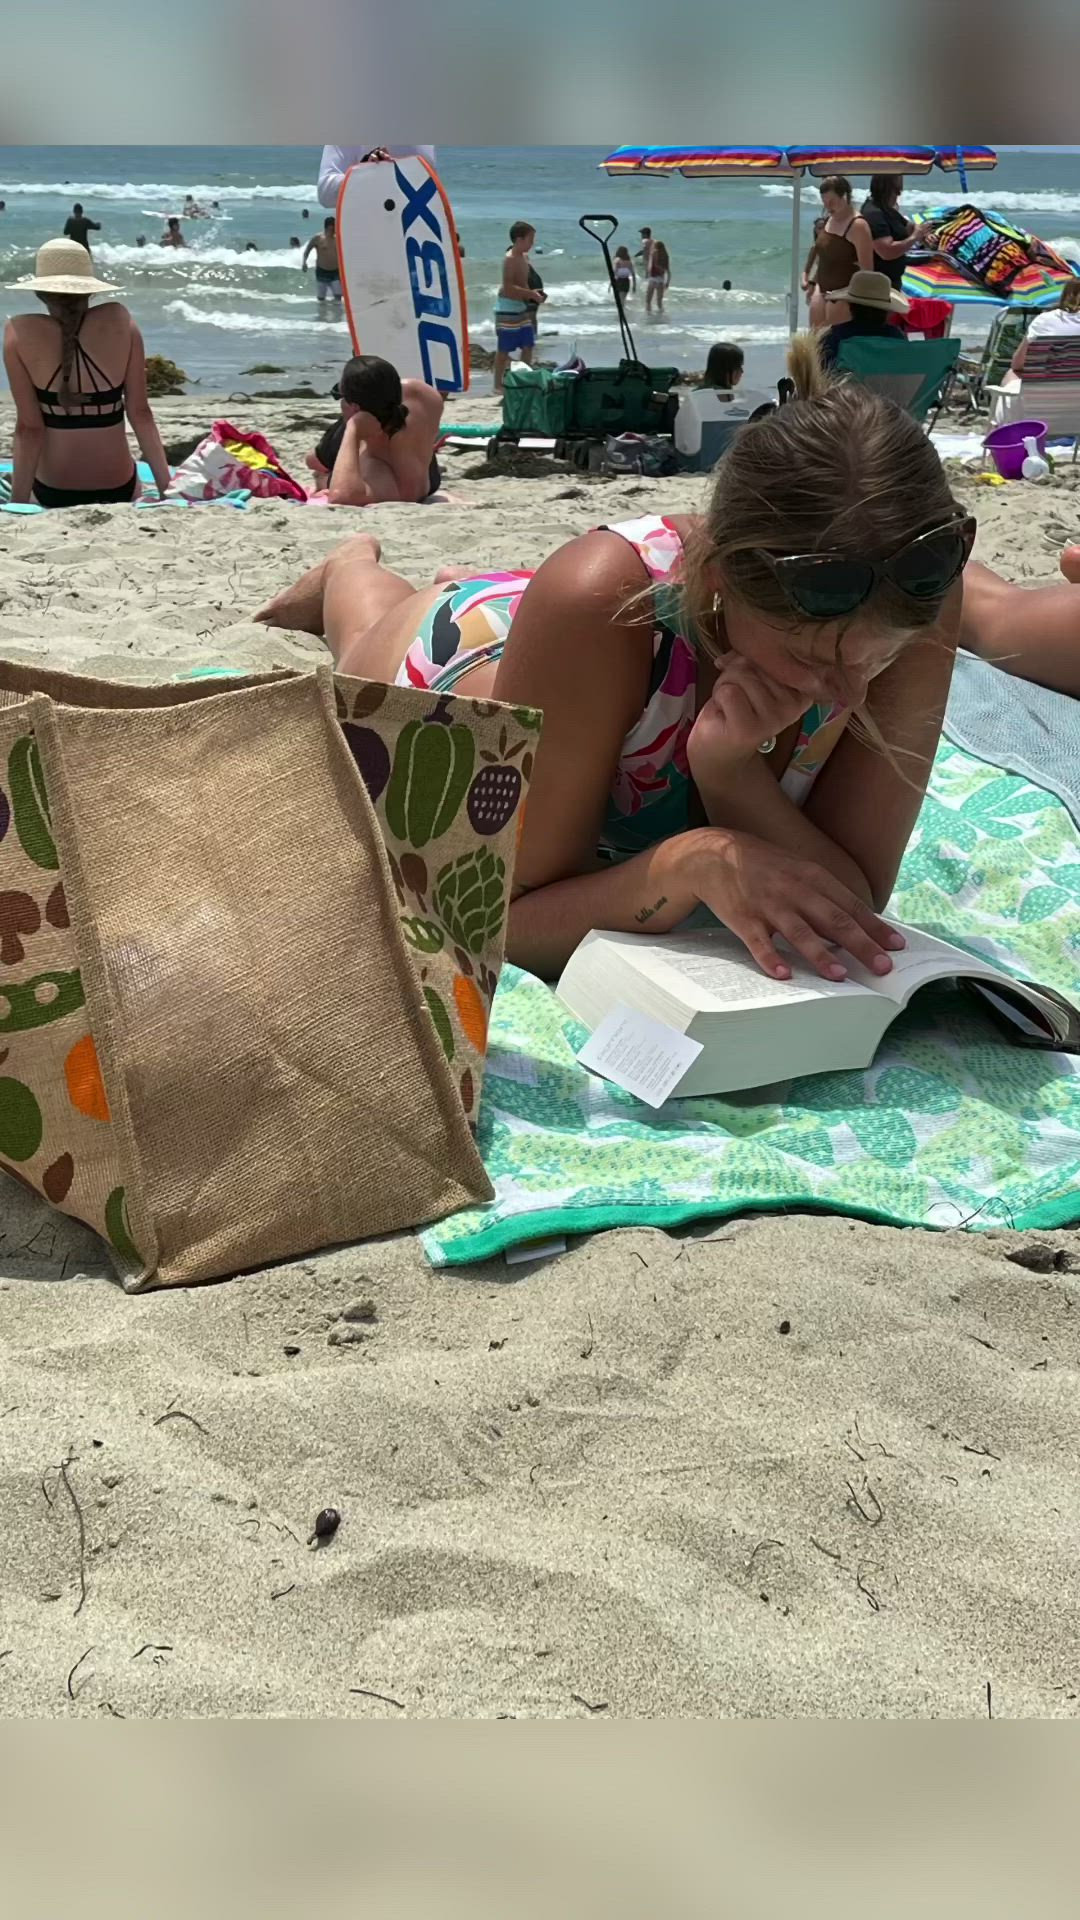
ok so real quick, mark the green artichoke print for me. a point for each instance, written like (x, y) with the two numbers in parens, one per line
(469, 898)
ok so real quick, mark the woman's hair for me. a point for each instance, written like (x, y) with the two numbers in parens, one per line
(836, 183)
(871, 319)
(885, 189)
(839, 469)
(1070, 297)
(659, 260)
(622, 253)
(724, 362)
(375, 386)
(67, 309)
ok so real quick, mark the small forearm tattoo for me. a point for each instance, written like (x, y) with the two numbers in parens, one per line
(648, 912)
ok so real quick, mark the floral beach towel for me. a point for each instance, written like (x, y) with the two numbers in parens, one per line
(950, 1126)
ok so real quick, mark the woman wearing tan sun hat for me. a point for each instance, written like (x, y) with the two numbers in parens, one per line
(874, 302)
(74, 372)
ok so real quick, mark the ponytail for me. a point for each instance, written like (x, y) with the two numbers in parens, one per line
(69, 311)
(395, 419)
(805, 366)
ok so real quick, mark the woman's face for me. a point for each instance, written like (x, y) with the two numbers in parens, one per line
(835, 203)
(822, 660)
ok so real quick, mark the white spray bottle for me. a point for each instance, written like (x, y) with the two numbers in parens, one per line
(1034, 467)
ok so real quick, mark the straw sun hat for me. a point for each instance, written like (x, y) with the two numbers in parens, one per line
(63, 266)
(871, 290)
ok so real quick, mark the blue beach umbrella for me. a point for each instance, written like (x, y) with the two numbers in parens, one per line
(794, 164)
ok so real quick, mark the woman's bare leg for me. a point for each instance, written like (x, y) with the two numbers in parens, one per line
(298, 606)
(369, 615)
(369, 589)
(1032, 632)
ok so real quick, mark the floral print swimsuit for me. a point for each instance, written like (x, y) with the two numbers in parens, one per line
(651, 791)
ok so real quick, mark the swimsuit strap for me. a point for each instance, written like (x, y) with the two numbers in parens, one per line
(95, 386)
(447, 677)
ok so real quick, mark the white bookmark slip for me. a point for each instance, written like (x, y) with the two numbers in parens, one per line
(638, 1054)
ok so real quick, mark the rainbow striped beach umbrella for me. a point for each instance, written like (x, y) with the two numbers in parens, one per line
(794, 164)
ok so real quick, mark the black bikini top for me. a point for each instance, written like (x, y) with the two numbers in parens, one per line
(94, 403)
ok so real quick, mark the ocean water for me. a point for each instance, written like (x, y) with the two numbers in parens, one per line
(218, 310)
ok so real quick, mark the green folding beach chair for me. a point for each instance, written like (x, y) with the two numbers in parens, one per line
(916, 374)
(975, 372)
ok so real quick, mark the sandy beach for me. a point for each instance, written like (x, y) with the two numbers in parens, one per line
(796, 1467)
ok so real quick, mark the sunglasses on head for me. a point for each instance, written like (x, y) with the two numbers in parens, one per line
(828, 586)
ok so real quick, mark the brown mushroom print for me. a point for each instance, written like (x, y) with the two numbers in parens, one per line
(19, 915)
(56, 912)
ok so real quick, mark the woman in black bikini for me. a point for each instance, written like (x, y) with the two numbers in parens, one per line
(74, 373)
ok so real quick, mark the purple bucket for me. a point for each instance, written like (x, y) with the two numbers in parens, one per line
(1006, 445)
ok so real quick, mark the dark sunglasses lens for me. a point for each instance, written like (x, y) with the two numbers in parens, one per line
(927, 569)
(828, 589)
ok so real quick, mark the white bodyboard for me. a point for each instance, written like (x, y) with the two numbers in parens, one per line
(401, 271)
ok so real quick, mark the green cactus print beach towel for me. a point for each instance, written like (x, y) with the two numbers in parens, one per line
(950, 1126)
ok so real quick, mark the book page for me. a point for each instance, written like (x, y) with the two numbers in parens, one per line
(926, 958)
(933, 959)
(725, 975)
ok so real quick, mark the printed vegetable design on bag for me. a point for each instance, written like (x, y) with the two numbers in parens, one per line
(38, 1002)
(118, 1229)
(469, 898)
(433, 766)
(20, 918)
(30, 805)
(496, 792)
(367, 746)
(47, 1097)
(21, 1125)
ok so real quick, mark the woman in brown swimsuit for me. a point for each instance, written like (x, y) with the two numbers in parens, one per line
(844, 243)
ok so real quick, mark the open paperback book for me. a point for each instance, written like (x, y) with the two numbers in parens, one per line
(754, 1031)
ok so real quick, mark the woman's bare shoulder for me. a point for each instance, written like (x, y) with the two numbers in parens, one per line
(110, 320)
(599, 564)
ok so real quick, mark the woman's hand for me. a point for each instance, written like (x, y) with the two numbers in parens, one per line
(742, 711)
(759, 892)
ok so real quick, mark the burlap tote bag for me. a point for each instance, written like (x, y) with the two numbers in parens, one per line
(215, 1046)
(448, 778)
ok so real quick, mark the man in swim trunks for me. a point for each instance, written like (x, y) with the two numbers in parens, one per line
(383, 446)
(327, 267)
(515, 308)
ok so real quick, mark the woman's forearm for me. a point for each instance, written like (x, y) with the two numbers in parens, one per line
(752, 801)
(893, 249)
(25, 454)
(145, 429)
(648, 894)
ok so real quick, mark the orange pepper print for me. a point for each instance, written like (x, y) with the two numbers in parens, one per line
(471, 1012)
(86, 1090)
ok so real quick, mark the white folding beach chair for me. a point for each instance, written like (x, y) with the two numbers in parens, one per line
(1048, 389)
